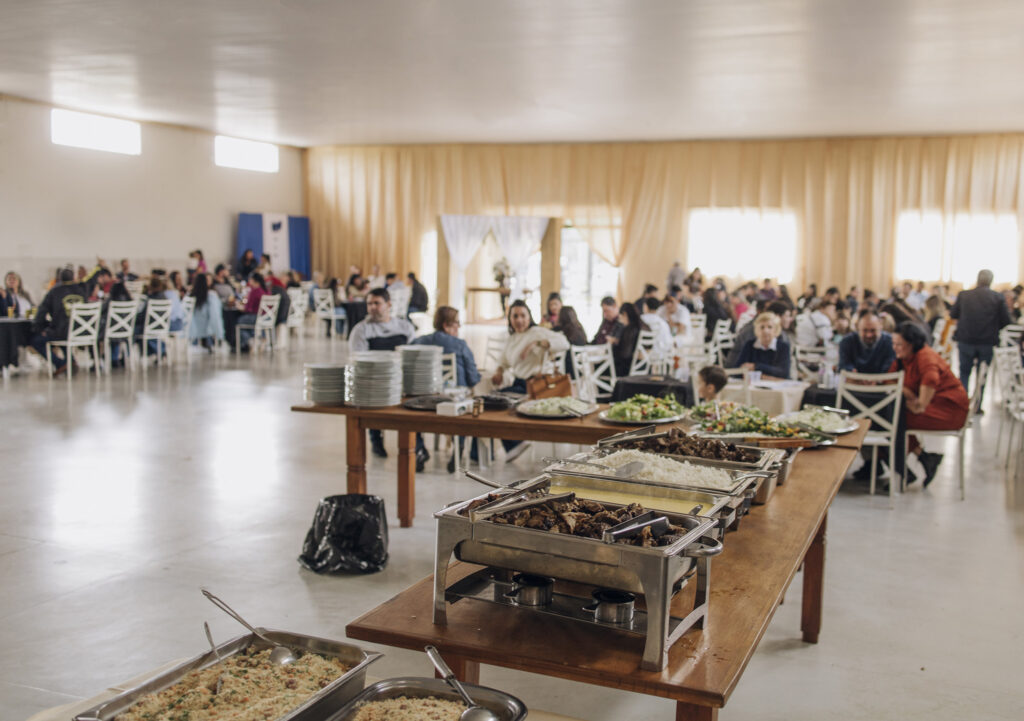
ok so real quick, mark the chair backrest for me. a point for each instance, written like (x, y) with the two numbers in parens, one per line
(188, 305)
(134, 287)
(808, 361)
(555, 362)
(400, 301)
(158, 318)
(266, 314)
(937, 331)
(884, 390)
(323, 303)
(121, 318)
(644, 360)
(1010, 335)
(699, 322)
(595, 370)
(494, 348)
(297, 308)
(85, 322)
(722, 335)
(305, 285)
(449, 371)
(1007, 362)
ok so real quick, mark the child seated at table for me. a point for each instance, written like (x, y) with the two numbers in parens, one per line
(710, 381)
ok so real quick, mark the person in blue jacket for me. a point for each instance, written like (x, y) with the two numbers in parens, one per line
(768, 350)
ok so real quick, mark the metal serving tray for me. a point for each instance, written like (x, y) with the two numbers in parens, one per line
(319, 706)
(767, 456)
(505, 706)
(744, 482)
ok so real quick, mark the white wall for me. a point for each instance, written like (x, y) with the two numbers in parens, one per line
(68, 205)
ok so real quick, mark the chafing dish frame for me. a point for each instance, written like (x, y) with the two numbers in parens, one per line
(653, 572)
(326, 700)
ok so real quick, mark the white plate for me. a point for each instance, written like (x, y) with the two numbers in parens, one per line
(850, 426)
(524, 409)
(603, 415)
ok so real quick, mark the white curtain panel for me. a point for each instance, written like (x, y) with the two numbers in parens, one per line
(519, 237)
(463, 234)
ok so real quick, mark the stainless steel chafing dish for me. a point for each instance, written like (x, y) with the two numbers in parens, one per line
(745, 487)
(505, 706)
(767, 457)
(320, 705)
(655, 572)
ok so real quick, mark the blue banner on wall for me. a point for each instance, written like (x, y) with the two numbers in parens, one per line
(284, 237)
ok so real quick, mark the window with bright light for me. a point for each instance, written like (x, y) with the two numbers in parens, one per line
(933, 247)
(743, 243)
(245, 154)
(95, 132)
(586, 278)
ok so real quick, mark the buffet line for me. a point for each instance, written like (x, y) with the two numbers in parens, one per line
(608, 537)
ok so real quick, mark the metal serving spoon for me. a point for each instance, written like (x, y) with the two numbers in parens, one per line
(280, 655)
(473, 712)
(209, 637)
(626, 470)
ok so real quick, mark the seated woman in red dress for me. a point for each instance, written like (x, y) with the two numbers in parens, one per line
(933, 397)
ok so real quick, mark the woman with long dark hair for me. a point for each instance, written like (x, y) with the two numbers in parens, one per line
(208, 318)
(568, 324)
(624, 341)
(552, 309)
(714, 311)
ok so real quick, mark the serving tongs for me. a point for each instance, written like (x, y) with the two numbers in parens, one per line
(651, 431)
(485, 512)
(658, 524)
(830, 409)
(812, 430)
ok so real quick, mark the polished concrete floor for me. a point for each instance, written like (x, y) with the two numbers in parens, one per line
(122, 496)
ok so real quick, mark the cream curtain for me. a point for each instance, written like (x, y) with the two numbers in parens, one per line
(463, 234)
(518, 237)
(631, 200)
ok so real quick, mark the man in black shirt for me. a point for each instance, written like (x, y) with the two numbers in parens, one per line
(609, 322)
(980, 314)
(54, 315)
(869, 350)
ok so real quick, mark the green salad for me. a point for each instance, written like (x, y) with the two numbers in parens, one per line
(730, 417)
(643, 407)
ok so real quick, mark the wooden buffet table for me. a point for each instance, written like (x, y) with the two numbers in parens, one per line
(748, 581)
(489, 424)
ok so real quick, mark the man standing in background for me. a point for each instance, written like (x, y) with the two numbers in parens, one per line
(676, 275)
(980, 313)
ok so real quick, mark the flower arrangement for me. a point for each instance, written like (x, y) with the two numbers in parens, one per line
(502, 273)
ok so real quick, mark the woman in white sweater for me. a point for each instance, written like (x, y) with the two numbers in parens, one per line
(523, 357)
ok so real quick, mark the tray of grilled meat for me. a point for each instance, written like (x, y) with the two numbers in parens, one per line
(537, 528)
(676, 443)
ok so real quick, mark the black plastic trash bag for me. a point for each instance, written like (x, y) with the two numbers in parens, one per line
(349, 534)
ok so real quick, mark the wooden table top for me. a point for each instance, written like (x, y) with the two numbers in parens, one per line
(748, 580)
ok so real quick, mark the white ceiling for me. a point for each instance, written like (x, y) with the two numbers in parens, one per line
(318, 72)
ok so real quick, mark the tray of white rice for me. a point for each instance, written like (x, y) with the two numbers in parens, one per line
(244, 685)
(425, 699)
(660, 469)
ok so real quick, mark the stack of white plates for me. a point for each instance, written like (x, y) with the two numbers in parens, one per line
(324, 383)
(374, 379)
(421, 369)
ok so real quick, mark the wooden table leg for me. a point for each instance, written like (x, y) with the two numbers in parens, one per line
(814, 585)
(406, 478)
(465, 671)
(355, 454)
(693, 712)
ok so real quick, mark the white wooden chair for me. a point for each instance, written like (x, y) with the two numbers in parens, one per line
(1015, 408)
(157, 328)
(299, 304)
(937, 331)
(493, 350)
(449, 378)
(645, 361)
(83, 332)
(1010, 335)
(400, 301)
(120, 330)
(180, 337)
(699, 324)
(698, 355)
(134, 288)
(264, 325)
(323, 309)
(885, 391)
(809, 360)
(723, 339)
(595, 371)
(958, 433)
